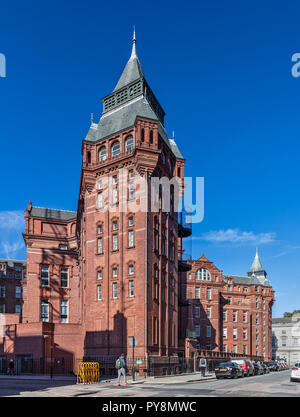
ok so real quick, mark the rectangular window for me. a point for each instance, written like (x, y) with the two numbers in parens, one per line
(2, 291)
(115, 225)
(131, 288)
(18, 309)
(2, 308)
(225, 315)
(130, 174)
(115, 272)
(99, 292)
(244, 349)
(99, 229)
(115, 290)
(224, 332)
(197, 330)
(234, 333)
(163, 294)
(44, 310)
(100, 200)
(245, 289)
(208, 294)
(64, 311)
(197, 312)
(234, 316)
(224, 348)
(131, 269)
(208, 331)
(115, 242)
(99, 274)
(131, 191)
(197, 292)
(45, 276)
(64, 277)
(115, 191)
(234, 349)
(244, 334)
(130, 238)
(18, 291)
(100, 246)
(208, 312)
(245, 317)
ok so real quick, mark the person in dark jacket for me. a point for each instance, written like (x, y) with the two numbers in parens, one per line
(121, 367)
(11, 367)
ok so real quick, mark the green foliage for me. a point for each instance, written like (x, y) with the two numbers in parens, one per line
(287, 314)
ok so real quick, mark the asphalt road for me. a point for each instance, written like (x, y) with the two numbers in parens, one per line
(275, 384)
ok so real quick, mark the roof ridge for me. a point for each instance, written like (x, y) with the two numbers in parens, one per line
(48, 208)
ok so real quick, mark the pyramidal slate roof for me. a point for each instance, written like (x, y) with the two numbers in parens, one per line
(131, 98)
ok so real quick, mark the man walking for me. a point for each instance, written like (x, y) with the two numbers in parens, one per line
(11, 367)
(121, 365)
(203, 366)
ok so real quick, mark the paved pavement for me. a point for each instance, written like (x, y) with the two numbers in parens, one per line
(273, 384)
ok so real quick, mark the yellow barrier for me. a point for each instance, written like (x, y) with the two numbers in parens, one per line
(88, 373)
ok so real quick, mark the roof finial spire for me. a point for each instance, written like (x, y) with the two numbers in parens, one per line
(173, 135)
(133, 53)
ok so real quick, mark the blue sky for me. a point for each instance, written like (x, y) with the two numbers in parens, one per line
(221, 71)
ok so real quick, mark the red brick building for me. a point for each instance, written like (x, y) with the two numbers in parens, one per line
(114, 269)
(227, 313)
(12, 274)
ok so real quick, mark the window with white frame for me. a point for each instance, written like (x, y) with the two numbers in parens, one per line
(44, 310)
(202, 274)
(234, 349)
(64, 277)
(131, 288)
(234, 333)
(100, 229)
(115, 272)
(100, 246)
(64, 311)
(131, 269)
(197, 292)
(115, 225)
(244, 316)
(130, 190)
(115, 242)
(208, 312)
(18, 291)
(130, 238)
(45, 276)
(102, 154)
(115, 149)
(208, 293)
(100, 200)
(130, 221)
(129, 144)
(224, 332)
(224, 315)
(234, 316)
(99, 274)
(245, 289)
(244, 349)
(115, 290)
(244, 334)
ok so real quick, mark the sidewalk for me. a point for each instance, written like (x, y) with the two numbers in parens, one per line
(175, 379)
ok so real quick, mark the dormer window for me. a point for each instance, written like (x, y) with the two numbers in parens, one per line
(129, 144)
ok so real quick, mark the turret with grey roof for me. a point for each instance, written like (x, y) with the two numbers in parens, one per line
(131, 98)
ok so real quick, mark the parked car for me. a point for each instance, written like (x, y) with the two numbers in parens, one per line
(266, 369)
(295, 374)
(258, 370)
(228, 370)
(273, 366)
(246, 365)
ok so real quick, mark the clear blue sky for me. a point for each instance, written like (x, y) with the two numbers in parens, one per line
(222, 72)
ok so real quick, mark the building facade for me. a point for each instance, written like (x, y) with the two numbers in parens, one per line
(227, 313)
(12, 276)
(286, 339)
(114, 270)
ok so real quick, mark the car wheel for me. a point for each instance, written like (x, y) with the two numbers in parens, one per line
(217, 377)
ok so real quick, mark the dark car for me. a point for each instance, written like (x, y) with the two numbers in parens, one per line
(273, 366)
(258, 370)
(265, 368)
(228, 370)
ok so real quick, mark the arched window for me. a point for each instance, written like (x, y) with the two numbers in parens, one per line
(102, 154)
(129, 144)
(202, 274)
(115, 149)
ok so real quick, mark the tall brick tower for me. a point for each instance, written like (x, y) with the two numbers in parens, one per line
(128, 255)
